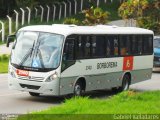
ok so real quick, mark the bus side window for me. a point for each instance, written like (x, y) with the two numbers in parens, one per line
(134, 45)
(140, 44)
(112, 46)
(98, 46)
(128, 45)
(87, 46)
(69, 49)
(148, 44)
(79, 47)
(123, 47)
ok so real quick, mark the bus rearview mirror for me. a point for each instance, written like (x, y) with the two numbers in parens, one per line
(10, 38)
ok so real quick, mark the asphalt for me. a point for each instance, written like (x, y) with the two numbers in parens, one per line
(4, 49)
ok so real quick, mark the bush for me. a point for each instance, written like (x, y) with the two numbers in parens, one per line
(71, 21)
(149, 23)
(95, 16)
(4, 57)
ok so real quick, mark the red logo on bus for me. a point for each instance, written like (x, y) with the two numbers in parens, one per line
(22, 72)
(128, 63)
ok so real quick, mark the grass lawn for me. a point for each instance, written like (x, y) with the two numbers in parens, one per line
(4, 63)
(4, 66)
(1, 42)
(124, 103)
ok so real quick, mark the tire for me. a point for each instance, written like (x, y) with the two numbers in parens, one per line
(125, 83)
(34, 94)
(78, 89)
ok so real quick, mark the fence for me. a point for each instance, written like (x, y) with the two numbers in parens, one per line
(47, 12)
(2, 31)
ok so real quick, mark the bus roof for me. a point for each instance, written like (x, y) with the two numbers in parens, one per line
(74, 29)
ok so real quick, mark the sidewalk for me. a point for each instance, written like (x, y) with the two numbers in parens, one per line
(4, 49)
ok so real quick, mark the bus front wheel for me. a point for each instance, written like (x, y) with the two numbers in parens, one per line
(34, 94)
(78, 89)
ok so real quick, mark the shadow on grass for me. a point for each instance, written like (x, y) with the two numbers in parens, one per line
(100, 94)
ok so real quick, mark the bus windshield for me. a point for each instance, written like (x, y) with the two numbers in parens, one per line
(37, 50)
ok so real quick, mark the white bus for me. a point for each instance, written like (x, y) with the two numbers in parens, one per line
(66, 59)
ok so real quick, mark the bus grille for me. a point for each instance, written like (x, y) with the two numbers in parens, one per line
(30, 86)
(37, 79)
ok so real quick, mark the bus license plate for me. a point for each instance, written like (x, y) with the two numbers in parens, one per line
(22, 73)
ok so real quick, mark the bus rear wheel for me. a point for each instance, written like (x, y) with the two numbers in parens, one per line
(78, 89)
(34, 94)
(125, 83)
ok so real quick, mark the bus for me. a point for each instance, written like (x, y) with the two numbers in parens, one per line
(68, 59)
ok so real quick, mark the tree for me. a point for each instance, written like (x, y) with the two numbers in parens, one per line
(95, 16)
(29, 3)
(132, 9)
(6, 7)
(145, 12)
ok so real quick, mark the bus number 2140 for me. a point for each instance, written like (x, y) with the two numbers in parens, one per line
(88, 67)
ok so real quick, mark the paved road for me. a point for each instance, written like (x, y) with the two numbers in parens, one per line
(21, 102)
(4, 49)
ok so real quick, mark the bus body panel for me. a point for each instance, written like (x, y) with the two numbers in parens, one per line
(49, 88)
(141, 75)
(35, 82)
(101, 77)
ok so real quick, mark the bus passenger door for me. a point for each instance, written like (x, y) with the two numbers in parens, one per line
(68, 61)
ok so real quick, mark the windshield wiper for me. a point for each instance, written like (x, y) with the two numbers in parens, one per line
(29, 53)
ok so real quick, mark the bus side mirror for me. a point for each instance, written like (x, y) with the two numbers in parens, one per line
(10, 38)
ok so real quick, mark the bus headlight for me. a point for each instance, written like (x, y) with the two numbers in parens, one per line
(12, 73)
(52, 77)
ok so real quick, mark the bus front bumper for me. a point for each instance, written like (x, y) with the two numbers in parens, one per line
(47, 88)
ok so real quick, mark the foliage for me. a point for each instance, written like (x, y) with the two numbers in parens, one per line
(4, 63)
(95, 16)
(132, 8)
(146, 12)
(91, 16)
(148, 23)
(29, 3)
(4, 57)
(71, 21)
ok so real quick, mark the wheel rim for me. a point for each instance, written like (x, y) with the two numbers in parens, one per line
(77, 90)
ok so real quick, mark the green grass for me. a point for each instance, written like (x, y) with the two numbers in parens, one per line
(4, 63)
(128, 102)
(1, 42)
(123, 103)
